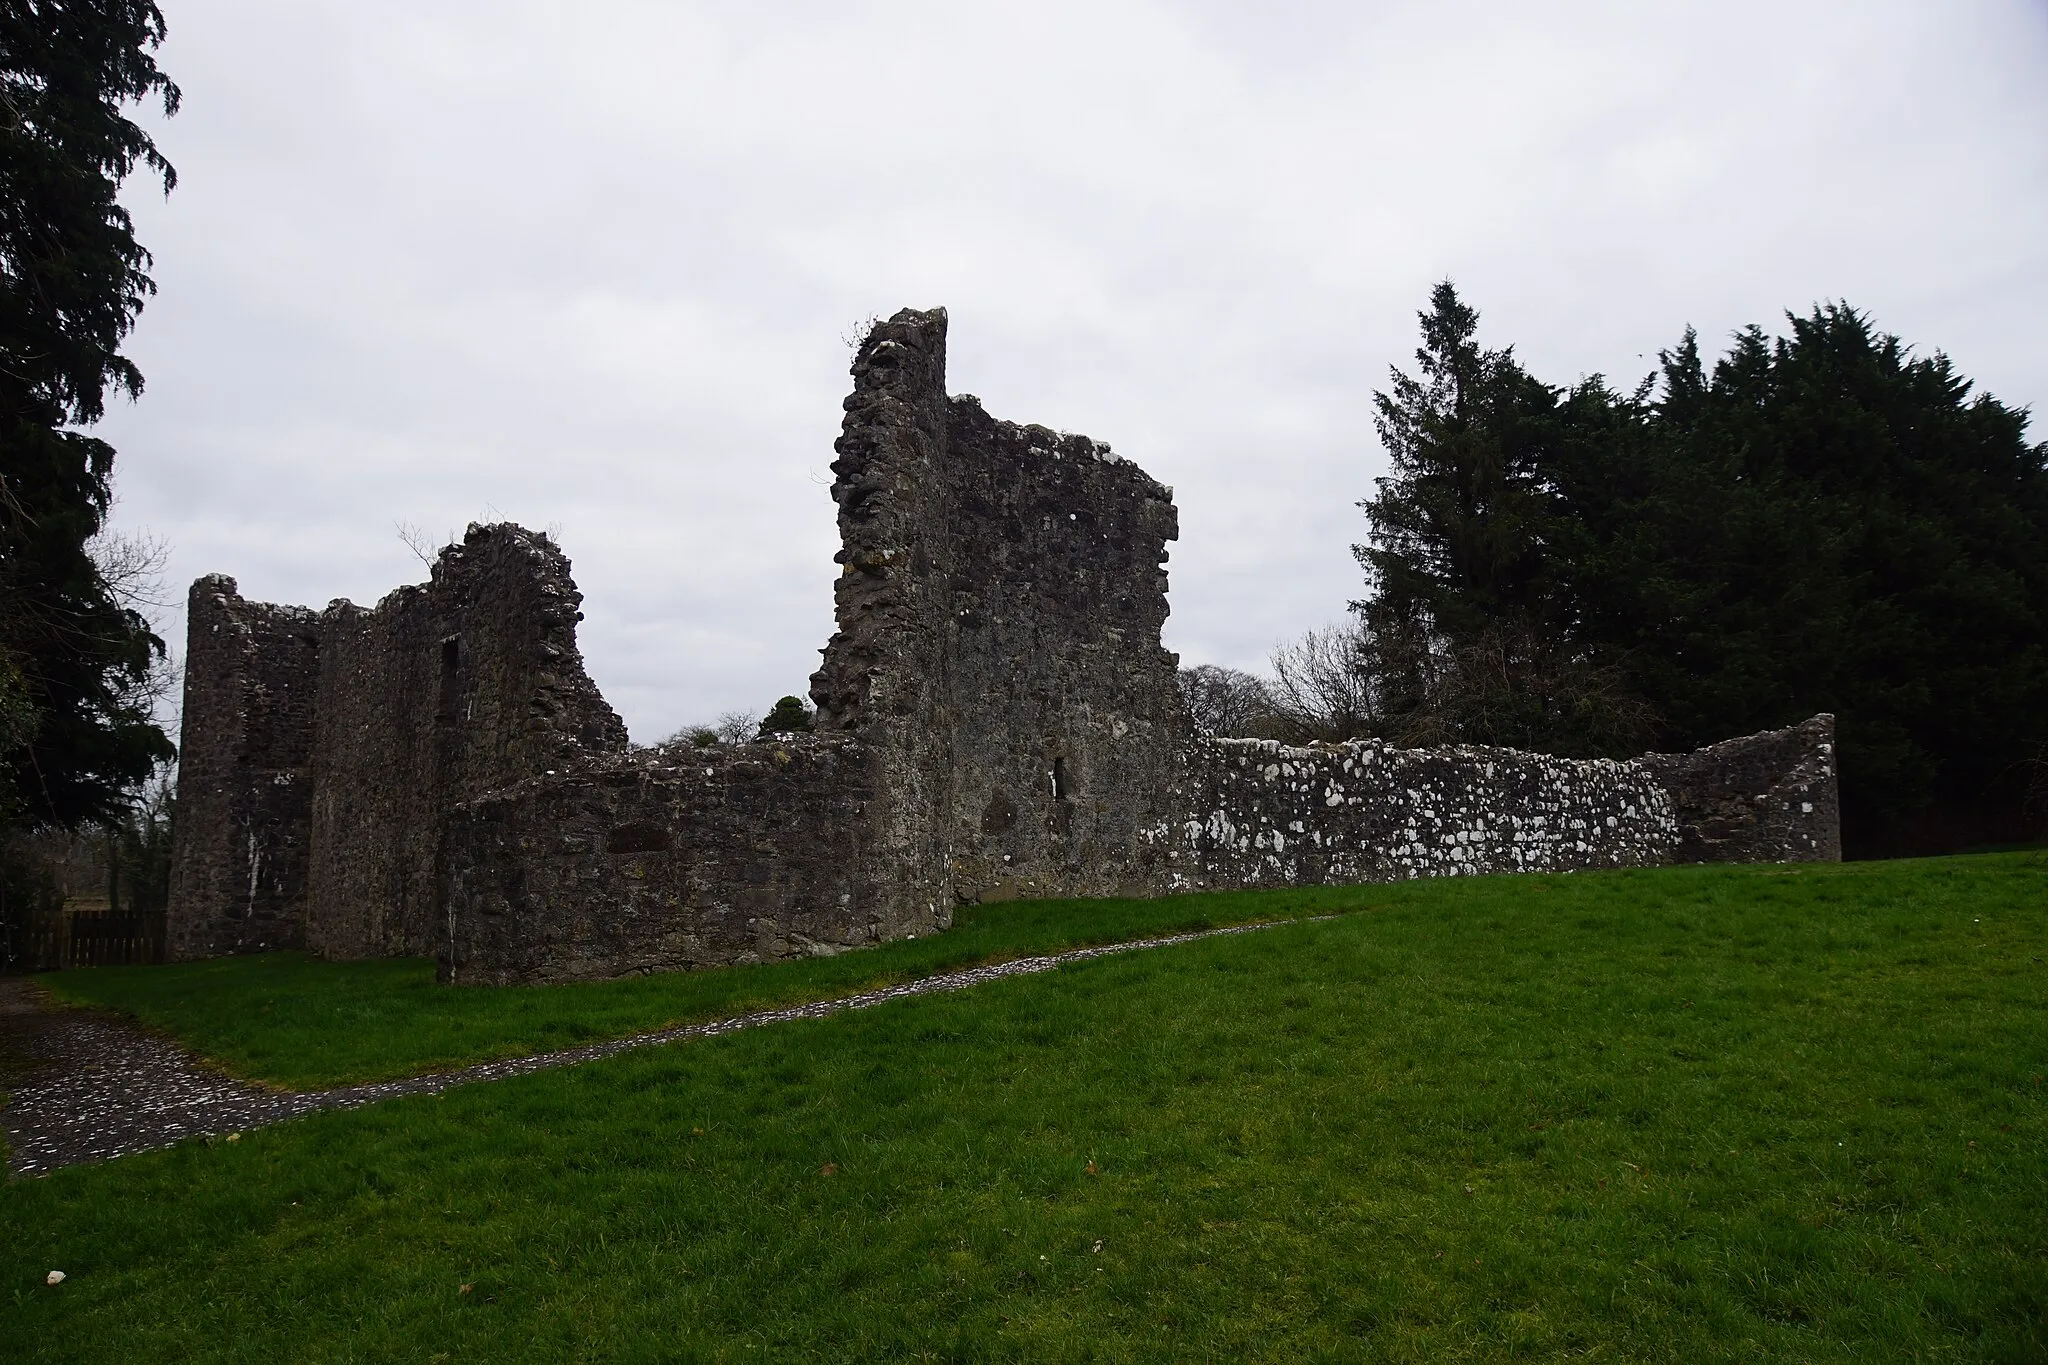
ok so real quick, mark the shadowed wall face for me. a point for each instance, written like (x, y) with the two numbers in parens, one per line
(326, 752)
(666, 860)
(1763, 798)
(441, 693)
(884, 678)
(1066, 715)
(241, 835)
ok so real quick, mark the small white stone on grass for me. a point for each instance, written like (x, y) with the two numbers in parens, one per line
(54, 1277)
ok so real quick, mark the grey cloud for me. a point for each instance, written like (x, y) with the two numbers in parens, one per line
(592, 266)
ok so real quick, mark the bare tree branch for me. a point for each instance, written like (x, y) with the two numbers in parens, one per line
(1227, 703)
(420, 543)
(132, 565)
(1322, 688)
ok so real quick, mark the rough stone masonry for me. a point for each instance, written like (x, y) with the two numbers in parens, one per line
(996, 718)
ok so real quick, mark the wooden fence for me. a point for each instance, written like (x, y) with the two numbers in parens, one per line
(97, 938)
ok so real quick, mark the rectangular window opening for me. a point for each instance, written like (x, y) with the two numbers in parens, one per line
(451, 690)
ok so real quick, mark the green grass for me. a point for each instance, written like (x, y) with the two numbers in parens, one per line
(1691, 1114)
(301, 1024)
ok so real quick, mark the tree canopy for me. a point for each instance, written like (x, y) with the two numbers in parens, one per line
(789, 716)
(1226, 702)
(75, 732)
(1822, 521)
(1467, 636)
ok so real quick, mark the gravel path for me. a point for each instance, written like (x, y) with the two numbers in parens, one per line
(98, 1087)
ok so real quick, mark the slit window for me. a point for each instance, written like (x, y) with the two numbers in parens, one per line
(1059, 779)
(451, 664)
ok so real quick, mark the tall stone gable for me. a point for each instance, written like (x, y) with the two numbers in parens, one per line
(999, 609)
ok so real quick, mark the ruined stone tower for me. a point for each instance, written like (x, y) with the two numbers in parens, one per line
(999, 619)
(996, 717)
(324, 752)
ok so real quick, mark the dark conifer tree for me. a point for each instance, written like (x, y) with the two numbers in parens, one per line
(1829, 523)
(75, 735)
(1822, 522)
(788, 717)
(1465, 634)
(1454, 529)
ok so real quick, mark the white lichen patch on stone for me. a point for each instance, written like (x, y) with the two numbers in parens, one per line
(1365, 812)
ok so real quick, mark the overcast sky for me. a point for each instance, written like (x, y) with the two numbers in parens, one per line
(593, 267)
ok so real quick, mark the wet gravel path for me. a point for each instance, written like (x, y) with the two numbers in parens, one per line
(87, 1086)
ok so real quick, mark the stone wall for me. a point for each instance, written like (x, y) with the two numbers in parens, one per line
(241, 836)
(671, 859)
(1068, 723)
(331, 749)
(440, 693)
(1765, 798)
(1259, 813)
(997, 717)
(998, 643)
(884, 677)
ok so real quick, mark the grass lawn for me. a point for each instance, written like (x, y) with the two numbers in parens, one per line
(1687, 1114)
(302, 1024)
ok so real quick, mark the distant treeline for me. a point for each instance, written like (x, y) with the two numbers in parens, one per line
(1820, 522)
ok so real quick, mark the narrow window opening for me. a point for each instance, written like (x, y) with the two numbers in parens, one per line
(1059, 779)
(451, 664)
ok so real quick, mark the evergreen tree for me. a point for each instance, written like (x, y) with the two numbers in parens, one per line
(1455, 528)
(1828, 523)
(1465, 634)
(75, 735)
(789, 717)
(1822, 522)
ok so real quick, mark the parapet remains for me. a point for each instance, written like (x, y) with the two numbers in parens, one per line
(996, 717)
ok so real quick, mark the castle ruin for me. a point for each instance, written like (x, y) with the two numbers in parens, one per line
(996, 718)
